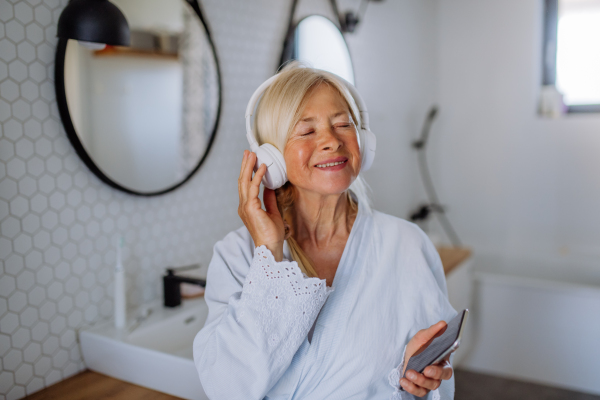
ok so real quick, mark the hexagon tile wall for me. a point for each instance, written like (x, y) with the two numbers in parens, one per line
(59, 224)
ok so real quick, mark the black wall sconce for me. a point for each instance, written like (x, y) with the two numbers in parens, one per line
(93, 21)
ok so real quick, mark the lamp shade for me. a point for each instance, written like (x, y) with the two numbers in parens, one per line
(97, 21)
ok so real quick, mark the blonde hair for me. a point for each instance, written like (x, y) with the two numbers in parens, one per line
(276, 116)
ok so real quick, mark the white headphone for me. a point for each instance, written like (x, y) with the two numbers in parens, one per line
(276, 175)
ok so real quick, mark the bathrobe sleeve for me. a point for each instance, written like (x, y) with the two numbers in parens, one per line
(260, 312)
(446, 389)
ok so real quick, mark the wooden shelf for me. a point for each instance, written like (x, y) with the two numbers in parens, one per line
(115, 51)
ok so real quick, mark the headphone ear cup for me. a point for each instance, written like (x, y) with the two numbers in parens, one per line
(276, 175)
(368, 151)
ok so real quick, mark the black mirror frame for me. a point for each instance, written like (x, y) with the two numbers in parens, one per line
(65, 116)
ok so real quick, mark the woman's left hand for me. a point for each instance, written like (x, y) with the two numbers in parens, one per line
(420, 384)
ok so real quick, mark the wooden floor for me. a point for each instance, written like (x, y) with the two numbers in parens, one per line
(90, 385)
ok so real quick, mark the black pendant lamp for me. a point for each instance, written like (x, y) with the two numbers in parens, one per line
(96, 21)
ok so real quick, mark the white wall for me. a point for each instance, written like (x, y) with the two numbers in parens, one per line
(516, 184)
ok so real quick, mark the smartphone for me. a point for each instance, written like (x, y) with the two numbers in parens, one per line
(441, 346)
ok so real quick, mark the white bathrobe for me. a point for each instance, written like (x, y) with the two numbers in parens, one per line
(255, 345)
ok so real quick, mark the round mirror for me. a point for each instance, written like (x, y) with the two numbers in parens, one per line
(143, 117)
(319, 43)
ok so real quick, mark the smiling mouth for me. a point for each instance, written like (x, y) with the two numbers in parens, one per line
(333, 164)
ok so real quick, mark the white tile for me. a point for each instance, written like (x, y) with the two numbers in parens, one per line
(50, 345)
(17, 302)
(65, 305)
(28, 317)
(36, 296)
(27, 186)
(32, 352)
(9, 323)
(8, 50)
(41, 240)
(58, 324)
(36, 384)
(3, 307)
(23, 12)
(13, 129)
(22, 244)
(35, 166)
(6, 378)
(19, 206)
(82, 299)
(53, 164)
(37, 72)
(46, 184)
(49, 219)
(42, 366)
(52, 255)
(69, 251)
(21, 110)
(63, 181)
(40, 110)
(62, 271)
(20, 338)
(17, 70)
(29, 90)
(43, 147)
(17, 392)
(33, 260)
(74, 197)
(39, 203)
(43, 277)
(25, 280)
(34, 33)
(88, 281)
(33, 129)
(47, 92)
(3, 71)
(57, 200)
(15, 31)
(60, 236)
(68, 338)
(67, 216)
(47, 311)
(7, 150)
(55, 290)
(45, 53)
(91, 313)
(43, 15)
(4, 211)
(4, 110)
(7, 285)
(72, 285)
(6, 14)
(4, 346)
(15, 168)
(14, 264)
(75, 318)
(52, 377)
(23, 374)
(40, 331)
(10, 227)
(60, 359)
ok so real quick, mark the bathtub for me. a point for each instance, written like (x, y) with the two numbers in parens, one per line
(537, 321)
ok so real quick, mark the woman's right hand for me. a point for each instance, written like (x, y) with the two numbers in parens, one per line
(265, 227)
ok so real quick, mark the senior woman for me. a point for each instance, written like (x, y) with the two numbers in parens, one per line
(318, 296)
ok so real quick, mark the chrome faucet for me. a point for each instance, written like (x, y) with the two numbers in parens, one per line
(172, 284)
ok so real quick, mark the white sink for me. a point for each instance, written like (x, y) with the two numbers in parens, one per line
(157, 354)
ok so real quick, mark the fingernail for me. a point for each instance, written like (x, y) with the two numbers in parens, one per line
(411, 375)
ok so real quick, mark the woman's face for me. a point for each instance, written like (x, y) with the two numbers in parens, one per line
(322, 153)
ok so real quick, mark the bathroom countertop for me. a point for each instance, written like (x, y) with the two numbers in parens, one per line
(89, 385)
(452, 257)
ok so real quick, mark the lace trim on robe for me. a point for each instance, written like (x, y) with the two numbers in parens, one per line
(284, 299)
(394, 380)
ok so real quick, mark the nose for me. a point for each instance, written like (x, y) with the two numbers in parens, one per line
(330, 141)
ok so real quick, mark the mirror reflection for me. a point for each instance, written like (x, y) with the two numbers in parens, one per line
(319, 43)
(145, 114)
